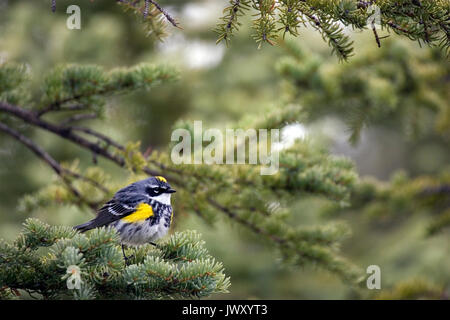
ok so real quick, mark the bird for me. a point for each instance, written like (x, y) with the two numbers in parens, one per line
(141, 212)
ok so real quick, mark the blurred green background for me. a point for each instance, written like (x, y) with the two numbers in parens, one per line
(219, 86)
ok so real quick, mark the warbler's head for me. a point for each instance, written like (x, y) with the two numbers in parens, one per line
(156, 188)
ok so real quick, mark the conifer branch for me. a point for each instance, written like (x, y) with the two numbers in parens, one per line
(180, 266)
(164, 12)
(425, 22)
(230, 19)
(151, 15)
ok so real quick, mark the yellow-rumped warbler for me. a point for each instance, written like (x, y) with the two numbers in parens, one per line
(141, 212)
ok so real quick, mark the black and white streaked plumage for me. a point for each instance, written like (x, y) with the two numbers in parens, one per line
(141, 212)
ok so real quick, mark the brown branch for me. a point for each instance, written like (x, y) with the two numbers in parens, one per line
(397, 27)
(60, 171)
(78, 117)
(146, 10)
(64, 132)
(375, 33)
(57, 105)
(41, 153)
(33, 147)
(165, 13)
(68, 134)
(75, 107)
(100, 136)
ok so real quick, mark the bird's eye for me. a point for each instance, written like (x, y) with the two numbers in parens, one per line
(154, 191)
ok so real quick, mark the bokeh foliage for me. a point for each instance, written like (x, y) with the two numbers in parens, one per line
(402, 88)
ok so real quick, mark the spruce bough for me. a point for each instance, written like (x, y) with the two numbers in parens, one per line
(40, 261)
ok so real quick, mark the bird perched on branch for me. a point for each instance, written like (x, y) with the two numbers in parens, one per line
(141, 212)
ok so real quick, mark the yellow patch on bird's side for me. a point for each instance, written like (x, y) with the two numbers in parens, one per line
(161, 179)
(142, 212)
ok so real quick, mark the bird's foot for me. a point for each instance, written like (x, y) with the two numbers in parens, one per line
(126, 259)
(127, 262)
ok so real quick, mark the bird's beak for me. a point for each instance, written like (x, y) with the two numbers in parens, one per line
(171, 191)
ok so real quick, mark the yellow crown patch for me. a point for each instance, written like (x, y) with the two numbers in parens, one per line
(161, 179)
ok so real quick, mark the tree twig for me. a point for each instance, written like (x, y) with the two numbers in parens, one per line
(33, 147)
(64, 132)
(100, 136)
(75, 107)
(60, 171)
(78, 117)
(146, 10)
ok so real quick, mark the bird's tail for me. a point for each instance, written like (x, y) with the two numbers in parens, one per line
(84, 227)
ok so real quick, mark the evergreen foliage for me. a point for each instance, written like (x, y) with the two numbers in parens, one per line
(41, 260)
(425, 21)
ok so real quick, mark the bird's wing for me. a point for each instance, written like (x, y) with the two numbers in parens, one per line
(112, 210)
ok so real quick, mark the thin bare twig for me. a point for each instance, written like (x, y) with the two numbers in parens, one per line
(33, 147)
(100, 136)
(146, 10)
(75, 107)
(64, 132)
(60, 171)
(78, 117)
(375, 33)
(165, 13)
